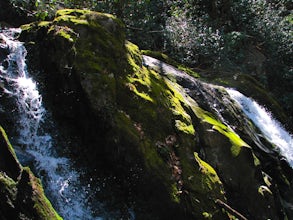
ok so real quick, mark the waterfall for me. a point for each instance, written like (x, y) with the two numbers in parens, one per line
(272, 130)
(61, 181)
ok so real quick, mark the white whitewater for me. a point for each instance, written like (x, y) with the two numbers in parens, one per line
(270, 127)
(61, 180)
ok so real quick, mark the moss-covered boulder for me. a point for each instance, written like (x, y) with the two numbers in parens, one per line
(21, 193)
(120, 114)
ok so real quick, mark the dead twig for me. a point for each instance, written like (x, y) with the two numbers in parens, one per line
(230, 209)
(141, 29)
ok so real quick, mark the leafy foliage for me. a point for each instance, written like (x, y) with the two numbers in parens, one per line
(247, 36)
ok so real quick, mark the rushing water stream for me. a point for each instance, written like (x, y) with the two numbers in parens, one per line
(263, 119)
(60, 179)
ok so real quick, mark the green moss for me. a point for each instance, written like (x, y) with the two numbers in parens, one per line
(72, 12)
(178, 105)
(41, 203)
(126, 125)
(177, 101)
(98, 37)
(175, 193)
(43, 212)
(29, 27)
(202, 184)
(146, 111)
(135, 135)
(82, 13)
(133, 56)
(35, 25)
(140, 81)
(263, 190)
(10, 148)
(44, 23)
(162, 109)
(90, 19)
(74, 16)
(7, 181)
(142, 95)
(210, 174)
(154, 162)
(151, 87)
(100, 52)
(64, 32)
(236, 141)
(289, 18)
(8, 190)
(71, 19)
(26, 27)
(207, 215)
(181, 126)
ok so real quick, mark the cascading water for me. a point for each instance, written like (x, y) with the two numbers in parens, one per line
(205, 94)
(271, 128)
(60, 179)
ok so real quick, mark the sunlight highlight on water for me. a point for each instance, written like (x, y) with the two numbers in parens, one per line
(270, 127)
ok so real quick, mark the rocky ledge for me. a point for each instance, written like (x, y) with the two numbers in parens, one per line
(121, 115)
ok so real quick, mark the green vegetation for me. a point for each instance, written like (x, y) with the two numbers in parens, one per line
(23, 194)
(134, 115)
(6, 183)
(212, 37)
(41, 204)
(208, 170)
(235, 140)
(162, 108)
(10, 148)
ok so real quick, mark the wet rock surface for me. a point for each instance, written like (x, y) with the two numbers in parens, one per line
(177, 144)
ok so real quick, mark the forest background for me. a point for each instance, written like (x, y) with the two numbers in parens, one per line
(213, 37)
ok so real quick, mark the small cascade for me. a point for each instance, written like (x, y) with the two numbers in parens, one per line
(270, 127)
(212, 99)
(61, 181)
(22, 88)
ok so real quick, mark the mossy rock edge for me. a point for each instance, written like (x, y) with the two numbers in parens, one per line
(119, 110)
(21, 193)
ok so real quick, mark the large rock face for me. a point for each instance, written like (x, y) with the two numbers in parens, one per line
(21, 193)
(121, 114)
